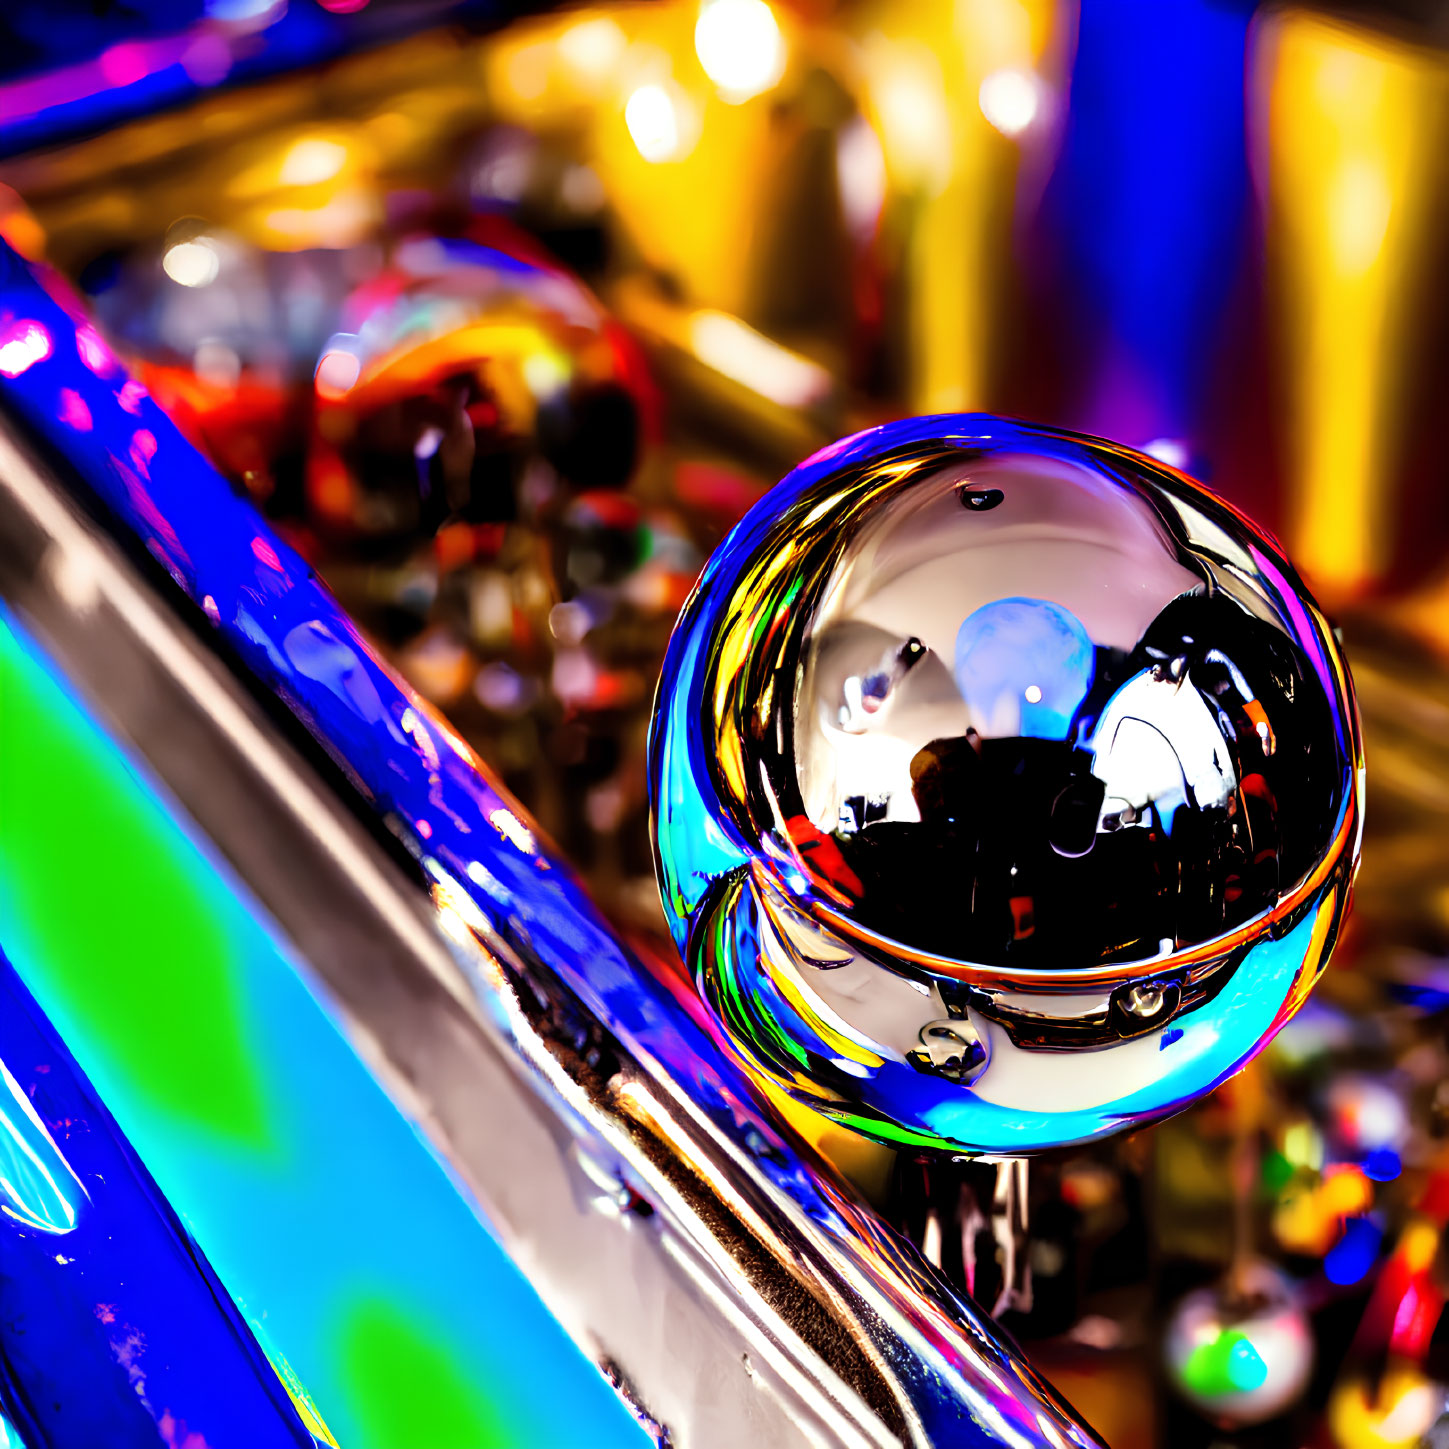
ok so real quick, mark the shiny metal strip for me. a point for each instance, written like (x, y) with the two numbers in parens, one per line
(734, 1290)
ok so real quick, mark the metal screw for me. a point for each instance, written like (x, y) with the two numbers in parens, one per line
(950, 1048)
(1144, 1001)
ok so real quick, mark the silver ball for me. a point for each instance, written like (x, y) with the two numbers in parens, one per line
(1007, 786)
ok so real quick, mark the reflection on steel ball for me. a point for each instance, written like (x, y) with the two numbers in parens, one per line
(1007, 787)
(1241, 1354)
(383, 394)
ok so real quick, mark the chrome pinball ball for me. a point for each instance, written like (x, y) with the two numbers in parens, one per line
(1007, 787)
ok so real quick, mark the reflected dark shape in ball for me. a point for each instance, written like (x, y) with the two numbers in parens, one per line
(451, 366)
(590, 434)
(1072, 779)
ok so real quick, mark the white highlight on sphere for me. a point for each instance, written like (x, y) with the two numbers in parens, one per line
(1172, 451)
(1011, 99)
(740, 47)
(191, 263)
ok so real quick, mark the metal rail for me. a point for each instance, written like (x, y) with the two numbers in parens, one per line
(734, 1289)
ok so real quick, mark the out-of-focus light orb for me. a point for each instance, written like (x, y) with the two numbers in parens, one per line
(1011, 99)
(22, 345)
(1366, 1114)
(753, 360)
(545, 372)
(1349, 1260)
(915, 115)
(312, 161)
(232, 12)
(1007, 786)
(337, 371)
(1402, 1411)
(593, 48)
(192, 263)
(860, 177)
(740, 47)
(652, 116)
(1241, 1357)
(581, 190)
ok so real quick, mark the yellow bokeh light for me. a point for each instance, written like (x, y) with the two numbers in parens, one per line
(1356, 129)
(191, 263)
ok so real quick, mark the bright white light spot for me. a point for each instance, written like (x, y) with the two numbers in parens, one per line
(480, 875)
(24, 346)
(1010, 99)
(739, 352)
(337, 372)
(592, 47)
(508, 825)
(1033, 693)
(739, 45)
(191, 263)
(653, 123)
(1172, 451)
(313, 161)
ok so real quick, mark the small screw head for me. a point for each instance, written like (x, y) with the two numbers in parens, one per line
(950, 1048)
(1144, 1001)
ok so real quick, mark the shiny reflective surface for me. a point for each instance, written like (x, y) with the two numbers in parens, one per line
(380, 393)
(103, 1286)
(721, 1274)
(1007, 786)
(353, 1257)
(447, 360)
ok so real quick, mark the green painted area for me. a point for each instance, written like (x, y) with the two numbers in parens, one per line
(405, 1387)
(1228, 1364)
(879, 1129)
(389, 1311)
(136, 952)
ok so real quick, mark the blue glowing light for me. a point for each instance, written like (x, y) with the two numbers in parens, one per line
(1382, 1165)
(1350, 1258)
(1026, 659)
(1149, 202)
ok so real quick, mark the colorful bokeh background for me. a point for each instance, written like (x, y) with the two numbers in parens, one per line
(1213, 229)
